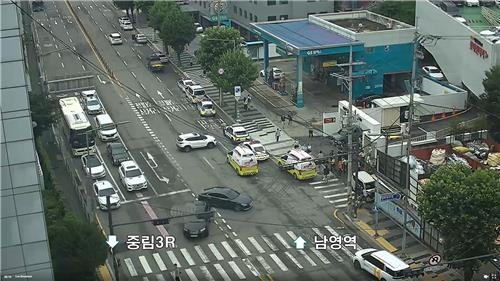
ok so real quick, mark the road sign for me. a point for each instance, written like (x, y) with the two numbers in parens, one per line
(435, 259)
(237, 93)
(390, 196)
(221, 71)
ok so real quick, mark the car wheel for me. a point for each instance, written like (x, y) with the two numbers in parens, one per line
(357, 265)
(210, 145)
(187, 148)
(237, 208)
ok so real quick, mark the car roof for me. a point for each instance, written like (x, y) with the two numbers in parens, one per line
(116, 144)
(129, 164)
(219, 189)
(89, 93)
(390, 260)
(90, 97)
(103, 185)
(115, 34)
(187, 135)
(206, 102)
(196, 87)
(364, 177)
(187, 80)
(239, 129)
(300, 154)
(243, 150)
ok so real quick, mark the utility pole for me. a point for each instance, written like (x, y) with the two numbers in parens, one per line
(349, 129)
(408, 139)
(112, 232)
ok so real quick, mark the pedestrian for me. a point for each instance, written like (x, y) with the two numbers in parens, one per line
(177, 273)
(249, 100)
(326, 172)
(278, 133)
(283, 121)
(309, 148)
(320, 154)
(289, 118)
(296, 144)
(311, 130)
(245, 103)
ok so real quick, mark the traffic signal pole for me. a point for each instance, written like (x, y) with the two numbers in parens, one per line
(112, 232)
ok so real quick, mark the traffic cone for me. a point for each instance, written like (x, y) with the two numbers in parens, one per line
(443, 115)
(433, 117)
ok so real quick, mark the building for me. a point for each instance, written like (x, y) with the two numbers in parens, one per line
(458, 35)
(24, 242)
(382, 49)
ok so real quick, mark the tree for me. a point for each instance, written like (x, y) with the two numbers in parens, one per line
(43, 112)
(128, 6)
(177, 30)
(400, 10)
(463, 205)
(239, 70)
(215, 43)
(77, 249)
(144, 6)
(491, 98)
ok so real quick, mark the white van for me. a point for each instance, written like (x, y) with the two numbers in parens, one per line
(195, 93)
(383, 265)
(106, 128)
(367, 183)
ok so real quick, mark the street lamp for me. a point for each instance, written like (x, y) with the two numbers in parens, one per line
(221, 101)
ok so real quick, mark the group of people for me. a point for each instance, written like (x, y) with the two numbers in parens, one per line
(286, 116)
(334, 166)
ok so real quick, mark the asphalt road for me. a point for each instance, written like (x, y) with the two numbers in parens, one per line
(245, 245)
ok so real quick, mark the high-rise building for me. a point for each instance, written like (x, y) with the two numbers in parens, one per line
(24, 242)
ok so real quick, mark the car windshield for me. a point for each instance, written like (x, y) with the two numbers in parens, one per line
(93, 161)
(109, 126)
(189, 83)
(434, 70)
(199, 93)
(278, 71)
(118, 149)
(115, 36)
(231, 194)
(259, 149)
(240, 133)
(208, 106)
(133, 173)
(92, 102)
(106, 192)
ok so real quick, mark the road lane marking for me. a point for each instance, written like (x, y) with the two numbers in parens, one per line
(133, 74)
(70, 40)
(118, 53)
(320, 256)
(222, 272)
(172, 258)
(280, 264)
(201, 253)
(158, 78)
(170, 92)
(229, 250)
(130, 267)
(216, 252)
(187, 256)
(191, 274)
(294, 260)
(142, 86)
(251, 267)
(237, 270)
(62, 64)
(145, 264)
(269, 243)
(125, 63)
(139, 56)
(160, 277)
(307, 257)
(256, 245)
(59, 55)
(292, 235)
(206, 273)
(282, 240)
(265, 265)
(159, 262)
(144, 278)
(83, 66)
(242, 246)
(208, 162)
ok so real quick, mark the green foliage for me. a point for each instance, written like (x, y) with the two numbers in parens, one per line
(463, 204)
(77, 249)
(177, 30)
(144, 6)
(239, 70)
(158, 12)
(43, 112)
(215, 43)
(490, 100)
(400, 10)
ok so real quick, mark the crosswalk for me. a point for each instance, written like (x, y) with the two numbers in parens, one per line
(238, 259)
(335, 191)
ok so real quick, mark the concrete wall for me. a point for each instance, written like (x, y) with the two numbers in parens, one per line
(387, 37)
(362, 119)
(440, 98)
(453, 55)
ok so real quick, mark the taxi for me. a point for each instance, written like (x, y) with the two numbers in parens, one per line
(298, 163)
(206, 108)
(236, 133)
(258, 149)
(243, 161)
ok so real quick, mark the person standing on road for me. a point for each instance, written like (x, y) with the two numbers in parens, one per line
(289, 118)
(311, 130)
(283, 121)
(326, 172)
(245, 103)
(277, 134)
(320, 154)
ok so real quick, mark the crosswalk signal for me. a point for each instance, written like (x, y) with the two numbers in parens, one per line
(160, 221)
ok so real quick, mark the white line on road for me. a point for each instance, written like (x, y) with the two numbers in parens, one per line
(125, 63)
(145, 264)
(62, 64)
(158, 78)
(320, 256)
(292, 235)
(172, 258)
(191, 274)
(216, 252)
(187, 256)
(320, 182)
(166, 115)
(237, 270)
(293, 260)
(133, 74)
(280, 264)
(282, 240)
(160, 277)
(201, 253)
(159, 262)
(242, 247)
(251, 267)
(118, 53)
(222, 272)
(229, 250)
(142, 86)
(206, 273)
(59, 55)
(70, 40)
(100, 29)
(130, 267)
(55, 45)
(139, 56)
(256, 245)
(83, 66)
(208, 162)
(265, 265)
(172, 94)
(269, 243)
(307, 257)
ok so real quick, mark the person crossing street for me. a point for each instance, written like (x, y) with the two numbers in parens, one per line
(277, 134)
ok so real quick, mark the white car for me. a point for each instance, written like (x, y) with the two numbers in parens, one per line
(184, 83)
(471, 3)
(88, 93)
(258, 149)
(460, 19)
(93, 105)
(186, 142)
(140, 38)
(433, 72)
(115, 38)
(236, 133)
(92, 166)
(490, 32)
(206, 108)
(381, 264)
(127, 25)
(102, 190)
(198, 27)
(277, 73)
(132, 176)
(121, 20)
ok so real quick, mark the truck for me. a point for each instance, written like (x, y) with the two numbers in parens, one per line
(155, 65)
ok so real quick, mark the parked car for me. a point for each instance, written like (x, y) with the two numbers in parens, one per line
(258, 149)
(132, 176)
(184, 83)
(276, 72)
(381, 264)
(472, 3)
(433, 72)
(236, 133)
(157, 55)
(121, 20)
(186, 142)
(226, 198)
(92, 166)
(115, 38)
(117, 153)
(102, 190)
(93, 105)
(140, 38)
(88, 94)
(127, 25)
(198, 27)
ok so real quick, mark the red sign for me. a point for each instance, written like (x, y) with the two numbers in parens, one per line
(478, 49)
(329, 120)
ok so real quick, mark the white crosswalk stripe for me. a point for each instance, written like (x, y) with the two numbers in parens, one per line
(265, 265)
(256, 245)
(191, 275)
(201, 254)
(243, 247)
(294, 260)
(159, 262)
(145, 278)
(159, 277)
(251, 267)
(206, 273)
(328, 249)
(280, 264)
(216, 252)
(173, 259)
(237, 270)
(344, 249)
(222, 272)
(335, 190)
(130, 267)
(269, 243)
(187, 256)
(320, 256)
(282, 240)
(229, 250)
(307, 257)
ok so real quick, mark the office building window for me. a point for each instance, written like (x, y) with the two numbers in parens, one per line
(271, 18)
(255, 19)
(241, 12)
(283, 17)
(235, 9)
(283, 2)
(271, 2)
(245, 14)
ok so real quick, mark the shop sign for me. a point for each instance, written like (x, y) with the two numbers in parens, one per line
(329, 120)
(477, 47)
(329, 63)
(223, 17)
(313, 52)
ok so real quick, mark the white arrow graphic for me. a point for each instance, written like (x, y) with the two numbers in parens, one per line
(160, 94)
(112, 241)
(164, 179)
(299, 243)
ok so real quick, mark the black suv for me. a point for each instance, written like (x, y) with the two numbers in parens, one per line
(117, 153)
(198, 227)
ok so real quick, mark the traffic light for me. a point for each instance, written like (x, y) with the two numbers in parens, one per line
(160, 221)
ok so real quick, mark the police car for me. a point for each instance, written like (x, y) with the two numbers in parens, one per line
(258, 149)
(236, 133)
(206, 108)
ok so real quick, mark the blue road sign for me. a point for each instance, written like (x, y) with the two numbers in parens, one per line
(390, 196)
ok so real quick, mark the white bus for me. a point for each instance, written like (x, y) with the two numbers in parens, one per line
(76, 125)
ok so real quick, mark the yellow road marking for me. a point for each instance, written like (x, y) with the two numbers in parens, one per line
(105, 274)
(384, 243)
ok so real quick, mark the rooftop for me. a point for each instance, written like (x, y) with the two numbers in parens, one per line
(360, 25)
(475, 18)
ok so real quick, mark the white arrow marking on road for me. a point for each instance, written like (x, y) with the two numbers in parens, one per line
(152, 159)
(153, 165)
(299, 243)
(160, 94)
(100, 80)
(112, 241)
